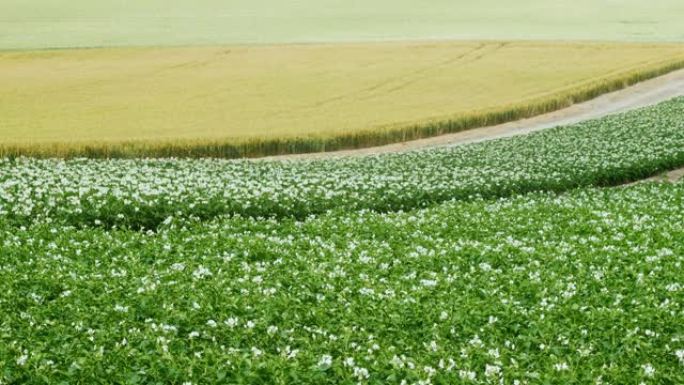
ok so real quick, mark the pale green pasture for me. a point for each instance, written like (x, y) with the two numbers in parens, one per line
(30, 24)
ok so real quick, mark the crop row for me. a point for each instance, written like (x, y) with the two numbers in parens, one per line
(577, 288)
(145, 193)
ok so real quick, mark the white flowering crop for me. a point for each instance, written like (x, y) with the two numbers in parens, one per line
(491, 263)
(157, 193)
(576, 287)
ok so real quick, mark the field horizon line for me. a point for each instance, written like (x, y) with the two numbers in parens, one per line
(313, 42)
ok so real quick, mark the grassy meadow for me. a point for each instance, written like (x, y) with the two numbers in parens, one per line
(26, 24)
(234, 101)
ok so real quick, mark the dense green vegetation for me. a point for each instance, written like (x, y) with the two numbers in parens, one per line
(489, 263)
(577, 288)
(145, 193)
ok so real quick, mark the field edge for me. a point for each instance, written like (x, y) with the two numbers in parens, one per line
(255, 148)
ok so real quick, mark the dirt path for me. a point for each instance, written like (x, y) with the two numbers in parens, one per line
(642, 94)
(670, 177)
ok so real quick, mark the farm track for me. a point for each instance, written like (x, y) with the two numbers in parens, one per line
(668, 177)
(642, 94)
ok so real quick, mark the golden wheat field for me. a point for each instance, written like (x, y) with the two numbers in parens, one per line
(256, 100)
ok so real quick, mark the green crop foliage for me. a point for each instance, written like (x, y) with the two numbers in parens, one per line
(573, 288)
(489, 263)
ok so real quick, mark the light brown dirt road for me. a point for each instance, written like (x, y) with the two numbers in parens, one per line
(668, 177)
(642, 94)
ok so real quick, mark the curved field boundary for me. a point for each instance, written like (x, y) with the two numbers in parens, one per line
(667, 177)
(144, 193)
(643, 94)
(192, 148)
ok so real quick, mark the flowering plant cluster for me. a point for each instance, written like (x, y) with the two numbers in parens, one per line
(571, 288)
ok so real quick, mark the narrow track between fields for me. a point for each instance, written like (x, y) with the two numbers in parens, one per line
(667, 177)
(642, 94)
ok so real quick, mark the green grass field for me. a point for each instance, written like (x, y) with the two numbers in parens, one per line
(68, 23)
(247, 101)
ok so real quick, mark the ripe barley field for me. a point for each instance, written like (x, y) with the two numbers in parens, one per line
(234, 101)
